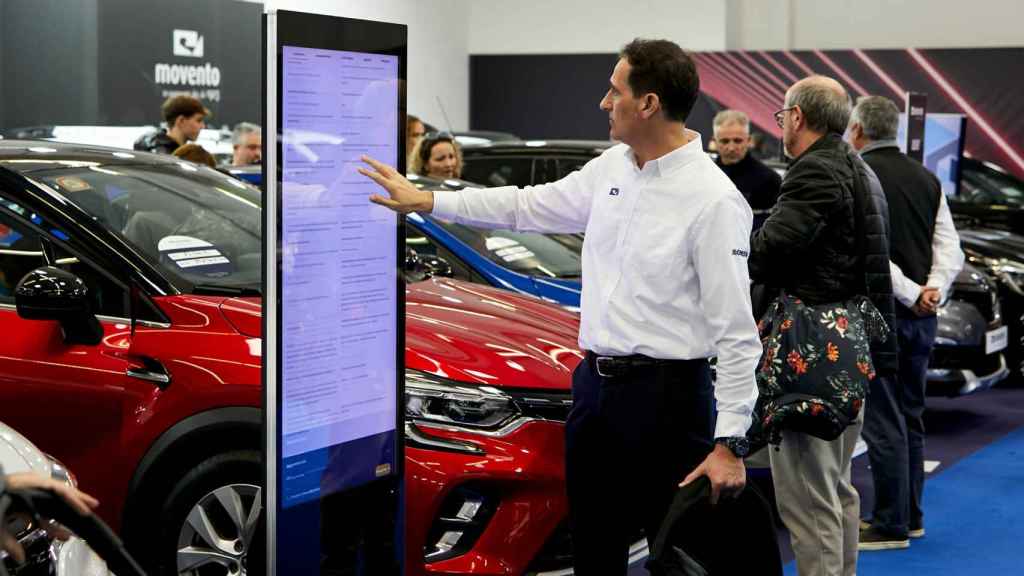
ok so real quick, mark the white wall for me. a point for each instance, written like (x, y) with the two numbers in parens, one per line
(837, 24)
(438, 52)
(591, 26)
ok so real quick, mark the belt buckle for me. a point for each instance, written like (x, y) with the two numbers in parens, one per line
(610, 366)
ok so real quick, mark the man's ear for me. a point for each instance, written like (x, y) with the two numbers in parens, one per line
(651, 105)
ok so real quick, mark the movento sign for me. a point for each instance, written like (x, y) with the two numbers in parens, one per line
(207, 48)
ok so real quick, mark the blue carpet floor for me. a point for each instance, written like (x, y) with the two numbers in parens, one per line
(974, 521)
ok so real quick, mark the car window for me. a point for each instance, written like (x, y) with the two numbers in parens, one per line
(567, 166)
(525, 252)
(21, 251)
(195, 223)
(990, 187)
(501, 171)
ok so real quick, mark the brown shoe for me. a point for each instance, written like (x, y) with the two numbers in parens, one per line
(871, 539)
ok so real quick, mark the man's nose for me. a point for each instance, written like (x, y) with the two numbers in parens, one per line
(605, 103)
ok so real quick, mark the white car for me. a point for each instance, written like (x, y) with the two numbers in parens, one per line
(44, 555)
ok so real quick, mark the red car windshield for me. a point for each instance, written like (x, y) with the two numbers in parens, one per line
(196, 223)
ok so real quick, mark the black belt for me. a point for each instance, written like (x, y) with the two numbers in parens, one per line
(612, 366)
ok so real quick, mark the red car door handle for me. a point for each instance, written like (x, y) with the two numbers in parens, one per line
(160, 378)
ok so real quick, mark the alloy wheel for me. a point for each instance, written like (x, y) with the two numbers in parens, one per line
(218, 533)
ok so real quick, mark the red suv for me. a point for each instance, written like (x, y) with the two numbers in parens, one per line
(138, 365)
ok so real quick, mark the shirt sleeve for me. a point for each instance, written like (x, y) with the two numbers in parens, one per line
(947, 257)
(720, 247)
(904, 289)
(558, 207)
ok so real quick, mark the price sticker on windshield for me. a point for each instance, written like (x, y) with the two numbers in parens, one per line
(195, 256)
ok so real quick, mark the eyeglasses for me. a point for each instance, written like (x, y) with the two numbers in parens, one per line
(781, 115)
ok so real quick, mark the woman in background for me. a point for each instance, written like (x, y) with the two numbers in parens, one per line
(437, 156)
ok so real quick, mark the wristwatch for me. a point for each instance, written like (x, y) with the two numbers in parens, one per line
(738, 445)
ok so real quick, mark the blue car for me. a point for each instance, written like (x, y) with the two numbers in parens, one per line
(545, 265)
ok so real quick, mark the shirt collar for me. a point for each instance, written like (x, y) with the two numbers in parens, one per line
(878, 144)
(675, 159)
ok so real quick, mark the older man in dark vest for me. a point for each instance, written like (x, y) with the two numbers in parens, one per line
(926, 257)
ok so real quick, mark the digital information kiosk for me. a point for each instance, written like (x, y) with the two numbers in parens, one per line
(333, 307)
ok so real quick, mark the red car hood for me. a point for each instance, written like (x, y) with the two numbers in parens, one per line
(471, 333)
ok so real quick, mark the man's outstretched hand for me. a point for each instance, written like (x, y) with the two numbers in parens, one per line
(403, 197)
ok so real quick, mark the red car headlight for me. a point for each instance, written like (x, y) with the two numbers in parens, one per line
(434, 400)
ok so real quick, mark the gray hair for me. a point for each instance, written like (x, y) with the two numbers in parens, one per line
(878, 116)
(243, 129)
(730, 117)
(824, 103)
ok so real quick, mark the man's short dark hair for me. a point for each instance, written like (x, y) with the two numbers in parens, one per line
(182, 105)
(662, 67)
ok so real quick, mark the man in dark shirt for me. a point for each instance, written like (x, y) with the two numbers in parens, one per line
(925, 259)
(809, 247)
(758, 183)
(185, 116)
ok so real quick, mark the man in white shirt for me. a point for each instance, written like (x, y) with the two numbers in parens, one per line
(665, 287)
(925, 259)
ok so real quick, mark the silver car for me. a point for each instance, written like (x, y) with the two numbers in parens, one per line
(44, 555)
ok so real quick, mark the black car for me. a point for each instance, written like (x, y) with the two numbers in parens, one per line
(970, 339)
(529, 162)
(1001, 254)
(989, 196)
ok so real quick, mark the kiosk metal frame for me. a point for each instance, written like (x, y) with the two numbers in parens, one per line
(285, 28)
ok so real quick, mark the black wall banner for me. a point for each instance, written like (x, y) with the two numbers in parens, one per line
(210, 49)
(113, 62)
(555, 95)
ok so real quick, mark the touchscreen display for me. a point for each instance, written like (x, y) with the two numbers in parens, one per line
(338, 273)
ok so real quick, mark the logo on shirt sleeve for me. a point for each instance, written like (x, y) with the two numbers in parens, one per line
(613, 192)
(740, 253)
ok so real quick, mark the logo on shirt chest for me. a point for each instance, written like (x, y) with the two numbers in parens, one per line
(613, 192)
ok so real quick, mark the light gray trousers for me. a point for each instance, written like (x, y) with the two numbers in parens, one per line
(817, 500)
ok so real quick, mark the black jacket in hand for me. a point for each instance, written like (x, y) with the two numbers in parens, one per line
(810, 246)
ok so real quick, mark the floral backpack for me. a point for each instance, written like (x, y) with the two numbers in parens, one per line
(815, 368)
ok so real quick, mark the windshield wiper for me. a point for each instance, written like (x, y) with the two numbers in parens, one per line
(218, 290)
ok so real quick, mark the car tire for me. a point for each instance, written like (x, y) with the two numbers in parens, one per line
(214, 500)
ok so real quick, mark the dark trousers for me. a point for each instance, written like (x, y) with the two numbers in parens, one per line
(894, 428)
(629, 441)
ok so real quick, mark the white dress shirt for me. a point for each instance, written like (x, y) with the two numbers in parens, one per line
(947, 261)
(664, 260)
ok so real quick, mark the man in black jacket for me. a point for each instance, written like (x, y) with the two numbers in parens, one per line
(809, 247)
(926, 257)
(185, 116)
(758, 183)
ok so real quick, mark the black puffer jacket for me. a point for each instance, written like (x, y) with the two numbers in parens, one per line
(809, 244)
(158, 142)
